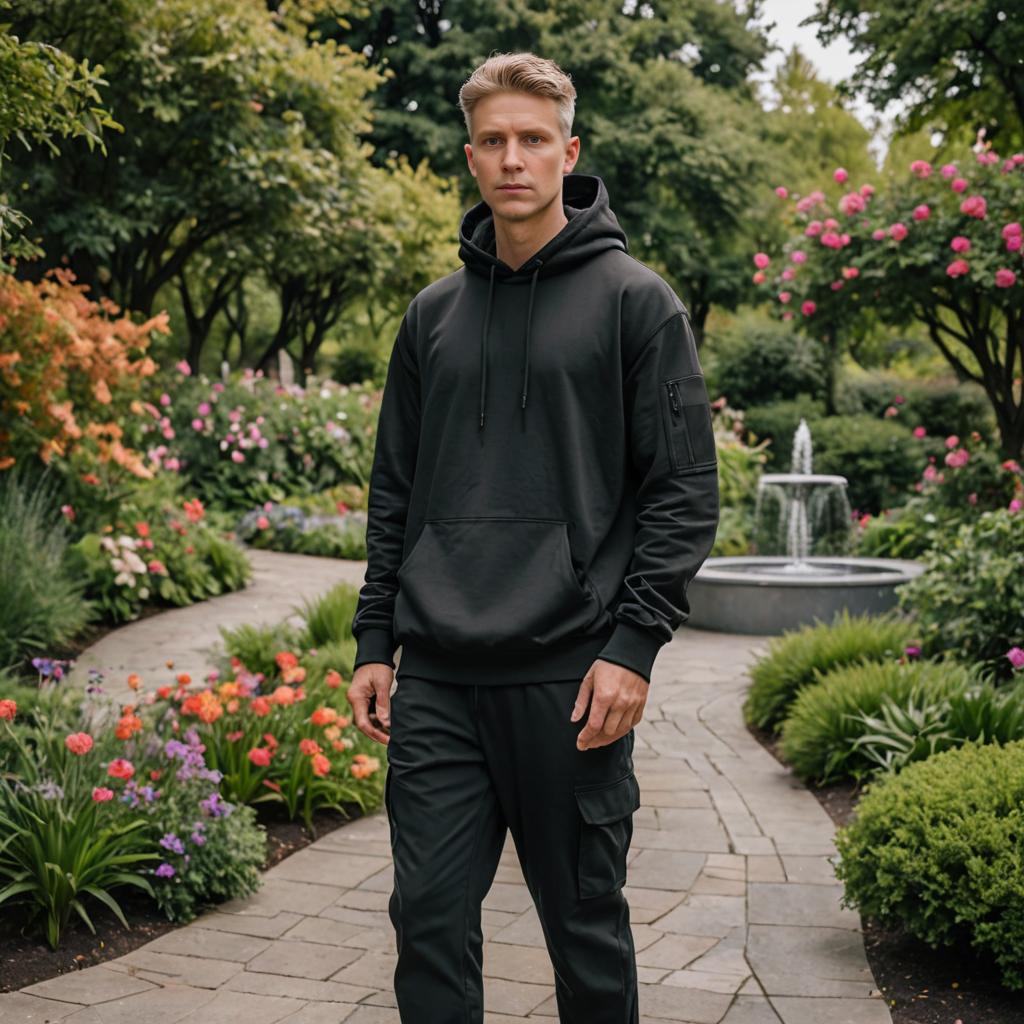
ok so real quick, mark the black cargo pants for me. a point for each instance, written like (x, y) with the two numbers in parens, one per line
(466, 763)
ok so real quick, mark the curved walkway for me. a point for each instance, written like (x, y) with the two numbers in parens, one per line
(734, 905)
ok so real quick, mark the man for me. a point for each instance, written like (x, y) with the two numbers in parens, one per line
(544, 486)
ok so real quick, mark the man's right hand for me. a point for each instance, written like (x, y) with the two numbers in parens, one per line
(372, 682)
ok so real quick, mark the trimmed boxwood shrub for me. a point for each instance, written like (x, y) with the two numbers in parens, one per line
(798, 657)
(937, 848)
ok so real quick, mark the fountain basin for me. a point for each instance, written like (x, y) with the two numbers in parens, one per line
(765, 595)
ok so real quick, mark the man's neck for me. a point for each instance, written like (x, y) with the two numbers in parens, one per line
(516, 241)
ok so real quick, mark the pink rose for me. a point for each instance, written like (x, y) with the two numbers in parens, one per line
(920, 432)
(101, 794)
(898, 231)
(958, 268)
(840, 174)
(785, 296)
(761, 260)
(807, 307)
(958, 184)
(952, 441)
(781, 191)
(1005, 278)
(974, 206)
(960, 244)
(921, 168)
(922, 212)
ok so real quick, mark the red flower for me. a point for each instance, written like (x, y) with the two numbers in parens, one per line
(260, 756)
(119, 768)
(8, 709)
(79, 743)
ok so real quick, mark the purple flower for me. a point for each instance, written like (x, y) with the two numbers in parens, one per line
(1016, 656)
(198, 838)
(173, 843)
(165, 870)
(912, 652)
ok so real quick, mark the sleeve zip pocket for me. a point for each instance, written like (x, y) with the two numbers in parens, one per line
(687, 418)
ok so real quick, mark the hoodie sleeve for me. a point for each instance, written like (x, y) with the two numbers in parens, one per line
(672, 448)
(391, 478)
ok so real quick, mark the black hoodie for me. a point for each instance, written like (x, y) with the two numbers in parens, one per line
(544, 483)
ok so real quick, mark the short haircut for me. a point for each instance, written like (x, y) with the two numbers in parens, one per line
(520, 72)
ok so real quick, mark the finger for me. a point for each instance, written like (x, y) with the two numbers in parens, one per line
(361, 716)
(583, 696)
(382, 688)
(589, 732)
(613, 722)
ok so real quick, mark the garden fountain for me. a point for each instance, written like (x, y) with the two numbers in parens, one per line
(806, 518)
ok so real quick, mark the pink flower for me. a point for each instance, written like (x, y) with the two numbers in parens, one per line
(197, 424)
(1015, 505)
(157, 567)
(237, 456)
(891, 411)
(1016, 656)
(922, 212)
(832, 240)
(172, 465)
(898, 231)
(787, 315)
(781, 191)
(972, 498)
(851, 203)
(813, 229)
(1011, 465)
(930, 472)
(958, 184)
(958, 268)
(204, 409)
(79, 743)
(785, 296)
(948, 170)
(849, 272)
(1011, 229)
(878, 234)
(165, 399)
(761, 260)
(840, 174)
(1005, 278)
(912, 651)
(960, 244)
(119, 768)
(263, 523)
(788, 274)
(898, 399)
(260, 756)
(807, 307)
(836, 285)
(101, 794)
(183, 367)
(957, 459)
(920, 432)
(974, 206)
(798, 256)
(759, 277)
(952, 441)
(921, 168)
(1013, 243)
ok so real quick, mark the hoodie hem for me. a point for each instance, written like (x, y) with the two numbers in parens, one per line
(570, 660)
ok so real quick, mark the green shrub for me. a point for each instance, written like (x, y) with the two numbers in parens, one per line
(937, 849)
(970, 597)
(823, 733)
(328, 617)
(43, 604)
(796, 659)
(777, 423)
(753, 363)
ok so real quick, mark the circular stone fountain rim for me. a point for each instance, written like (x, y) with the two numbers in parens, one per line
(887, 569)
(802, 478)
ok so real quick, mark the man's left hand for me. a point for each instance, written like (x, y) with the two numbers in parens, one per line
(617, 696)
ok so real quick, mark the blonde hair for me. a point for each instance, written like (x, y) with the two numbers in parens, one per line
(522, 72)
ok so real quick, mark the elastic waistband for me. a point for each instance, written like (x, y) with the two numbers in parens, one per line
(569, 660)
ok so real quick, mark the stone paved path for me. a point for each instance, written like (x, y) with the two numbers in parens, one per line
(733, 901)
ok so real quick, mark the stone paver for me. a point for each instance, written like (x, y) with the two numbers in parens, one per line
(734, 904)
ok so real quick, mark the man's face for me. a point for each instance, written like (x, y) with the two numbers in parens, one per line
(517, 140)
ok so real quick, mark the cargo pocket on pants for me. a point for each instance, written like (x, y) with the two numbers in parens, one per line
(605, 833)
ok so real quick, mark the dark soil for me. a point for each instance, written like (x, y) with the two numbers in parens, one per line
(921, 985)
(26, 959)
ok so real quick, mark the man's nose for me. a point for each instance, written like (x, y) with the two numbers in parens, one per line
(513, 158)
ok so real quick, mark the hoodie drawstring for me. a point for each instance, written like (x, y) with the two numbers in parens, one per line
(526, 340)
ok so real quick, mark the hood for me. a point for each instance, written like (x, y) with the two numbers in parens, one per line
(592, 228)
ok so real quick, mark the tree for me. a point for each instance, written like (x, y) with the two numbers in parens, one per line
(953, 65)
(941, 247)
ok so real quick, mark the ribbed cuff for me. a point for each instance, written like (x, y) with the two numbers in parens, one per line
(632, 647)
(374, 645)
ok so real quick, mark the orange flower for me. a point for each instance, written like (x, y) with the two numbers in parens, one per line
(79, 743)
(283, 695)
(285, 659)
(342, 720)
(234, 737)
(332, 732)
(203, 705)
(194, 510)
(333, 679)
(127, 726)
(231, 688)
(233, 705)
(134, 681)
(363, 766)
(183, 678)
(321, 765)
(260, 756)
(8, 709)
(309, 747)
(163, 692)
(297, 674)
(142, 529)
(259, 706)
(323, 716)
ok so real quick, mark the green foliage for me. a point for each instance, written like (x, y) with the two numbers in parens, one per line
(830, 734)
(936, 849)
(60, 850)
(943, 406)
(776, 423)
(795, 659)
(765, 362)
(43, 603)
(969, 598)
(328, 617)
(256, 647)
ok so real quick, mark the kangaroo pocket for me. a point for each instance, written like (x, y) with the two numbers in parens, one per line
(496, 584)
